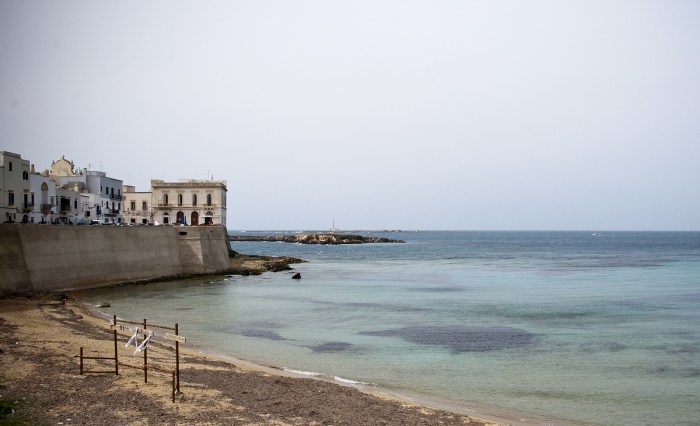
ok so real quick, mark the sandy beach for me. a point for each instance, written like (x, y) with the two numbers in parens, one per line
(40, 339)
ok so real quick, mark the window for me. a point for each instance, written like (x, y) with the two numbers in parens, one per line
(143, 206)
(165, 219)
(87, 213)
(179, 199)
(165, 200)
(25, 176)
(209, 199)
(194, 199)
(11, 196)
(133, 205)
(10, 166)
(75, 204)
(32, 198)
(133, 220)
(107, 190)
(119, 206)
(144, 221)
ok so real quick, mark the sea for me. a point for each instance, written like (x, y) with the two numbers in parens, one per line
(549, 328)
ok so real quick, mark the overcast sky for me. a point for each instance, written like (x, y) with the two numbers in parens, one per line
(521, 115)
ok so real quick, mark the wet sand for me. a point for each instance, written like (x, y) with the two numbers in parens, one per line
(39, 368)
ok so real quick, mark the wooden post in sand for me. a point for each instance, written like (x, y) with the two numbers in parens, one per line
(145, 356)
(177, 361)
(116, 354)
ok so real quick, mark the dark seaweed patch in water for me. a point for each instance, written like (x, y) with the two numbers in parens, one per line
(692, 373)
(602, 347)
(262, 334)
(660, 370)
(685, 349)
(262, 324)
(183, 309)
(362, 305)
(437, 289)
(614, 347)
(459, 338)
(331, 347)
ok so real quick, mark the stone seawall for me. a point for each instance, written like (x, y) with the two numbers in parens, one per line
(50, 258)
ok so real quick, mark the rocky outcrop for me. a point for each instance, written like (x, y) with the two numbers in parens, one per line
(315, 239)
(247, 264)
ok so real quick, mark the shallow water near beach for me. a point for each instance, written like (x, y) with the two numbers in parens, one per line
(563, 326)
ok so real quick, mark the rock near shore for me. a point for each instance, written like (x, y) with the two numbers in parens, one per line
(315, 239)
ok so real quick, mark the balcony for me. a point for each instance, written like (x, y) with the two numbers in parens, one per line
(65, 208)
(117, 197)
(165, 205)
(27, 207)
(111, 212)
(45, 208)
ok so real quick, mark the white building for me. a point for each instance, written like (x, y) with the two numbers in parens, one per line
(43, 197)
(185, 202)
(137, 206)
(15, 200)
(101, 197)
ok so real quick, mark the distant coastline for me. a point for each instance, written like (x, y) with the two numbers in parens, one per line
(332, 239)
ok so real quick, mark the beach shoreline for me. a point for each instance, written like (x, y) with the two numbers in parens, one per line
(486, 414)
(41, 370)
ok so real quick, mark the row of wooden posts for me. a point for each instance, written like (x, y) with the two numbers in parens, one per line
(143, 329)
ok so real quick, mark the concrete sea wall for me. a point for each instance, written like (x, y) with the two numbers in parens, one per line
(50, 258)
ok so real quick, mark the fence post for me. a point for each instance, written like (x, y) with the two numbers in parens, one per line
(81, 360)
(177, 359)
(116, 354)
(173, 386)
(145, 356)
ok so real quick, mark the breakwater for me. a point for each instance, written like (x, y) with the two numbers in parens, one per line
(50, 258)
(314, 239)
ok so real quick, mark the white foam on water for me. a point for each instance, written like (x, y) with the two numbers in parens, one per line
(325, 376)
(352, 382)
(305, 373)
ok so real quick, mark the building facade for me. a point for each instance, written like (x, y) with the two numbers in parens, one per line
(137, 206)
(101, 196)
(189, 202)
(15, 198)
(185, 202)
(43, 195)
(70, 195)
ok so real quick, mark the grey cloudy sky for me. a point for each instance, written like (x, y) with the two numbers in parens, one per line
(380, 115)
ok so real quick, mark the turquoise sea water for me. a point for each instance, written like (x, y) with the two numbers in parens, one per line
(564, 326)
